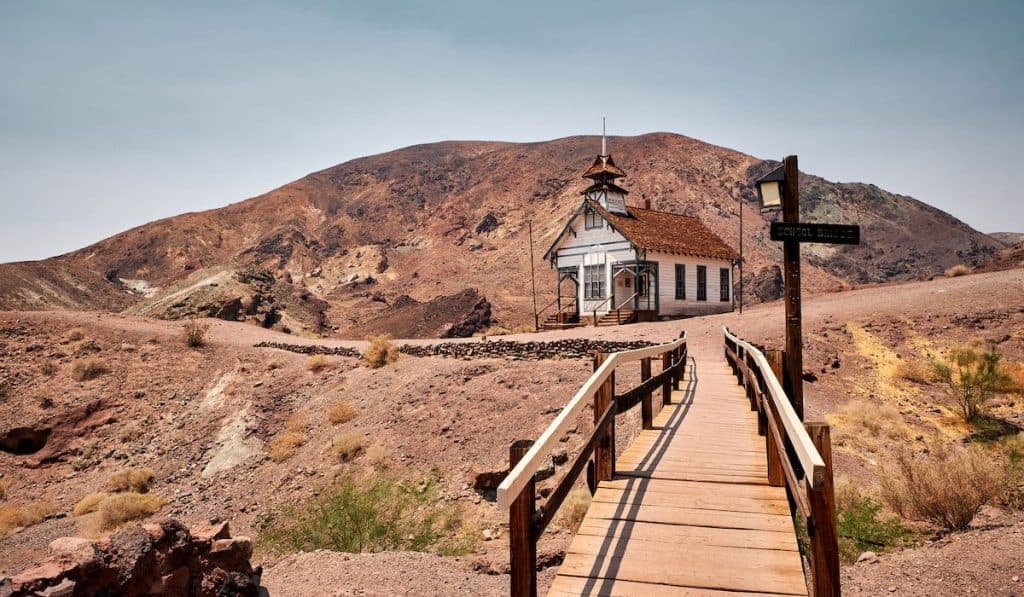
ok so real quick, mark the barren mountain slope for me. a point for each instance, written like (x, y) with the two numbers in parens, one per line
(433, 220)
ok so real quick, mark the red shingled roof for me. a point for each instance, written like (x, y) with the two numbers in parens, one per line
(667, 232)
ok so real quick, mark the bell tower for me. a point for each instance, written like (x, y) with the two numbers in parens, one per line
(603, 172)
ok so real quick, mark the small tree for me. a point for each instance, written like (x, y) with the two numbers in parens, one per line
(974, 376)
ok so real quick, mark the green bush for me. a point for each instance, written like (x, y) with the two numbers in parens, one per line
(861, 528)
(973, 375)
(379, 514)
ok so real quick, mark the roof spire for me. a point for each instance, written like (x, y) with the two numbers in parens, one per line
(604, 145)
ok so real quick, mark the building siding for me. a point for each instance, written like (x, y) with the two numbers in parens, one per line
(670, 306)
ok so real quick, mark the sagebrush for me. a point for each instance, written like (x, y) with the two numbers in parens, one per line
(88, 369)
(194, 333)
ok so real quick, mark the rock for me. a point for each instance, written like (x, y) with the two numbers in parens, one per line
(560, 456)
(66, 588)
(489, 223)
(892, 589)
(73, 549)
(867, 556)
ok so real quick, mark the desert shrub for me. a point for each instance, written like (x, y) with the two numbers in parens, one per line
(946, 487)
(89, 369)
(194, 333)
(130, 433)
(15, 517)
(318, 363)
(367, 515)
(973, 376)
(283, 446)
(1012, 449)
(5, 487)
(75, 335)
(340, 412)
(864, 425)
(378, 456)
(861, 527)
(297, 423)
(574, 508)
(48, 368)
(273, 365)
(958, 270)
(120, 508)
(89, 503)
(916, 370)
(136, 480)
(347, 446)
(380, 352)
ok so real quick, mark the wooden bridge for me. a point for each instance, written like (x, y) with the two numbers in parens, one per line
(706, 500)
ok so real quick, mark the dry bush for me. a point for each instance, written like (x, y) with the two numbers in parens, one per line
(1012, 449)
(380, 352)
(916, 370)
(297, 423)
(283, 446)
(135, 480)
(16, 517)
(130, 433)
(273, 365)
(318, 363)
(120, 508)
(574, 508)
(340, 412)
(194, 333)
(75, 335)
(946, 487)
(958, 270)
(1015, 373)
(865, 425)
(5, 487)
(90, 503)
(48, 368)
(86, 370)
(347, 446)
(378, 456)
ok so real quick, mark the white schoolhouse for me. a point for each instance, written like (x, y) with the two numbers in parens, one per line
(618, 262)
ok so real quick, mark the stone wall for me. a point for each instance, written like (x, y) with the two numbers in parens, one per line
(570, 348)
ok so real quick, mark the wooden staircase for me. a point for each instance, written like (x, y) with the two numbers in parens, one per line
(554, 322)
(620, 317)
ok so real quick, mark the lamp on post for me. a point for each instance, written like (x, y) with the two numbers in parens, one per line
(780, 189)
(769, 189)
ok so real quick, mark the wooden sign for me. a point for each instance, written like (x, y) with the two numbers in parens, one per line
(833, 234)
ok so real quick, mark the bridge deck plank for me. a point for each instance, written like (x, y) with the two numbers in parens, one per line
(690, 511)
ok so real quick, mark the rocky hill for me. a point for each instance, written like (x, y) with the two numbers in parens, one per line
(348, 245)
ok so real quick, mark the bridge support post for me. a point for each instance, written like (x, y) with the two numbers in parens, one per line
(823, 533)
(647, 402)
(666, 390)
(604, 452)
(522, 543)
(776, 476)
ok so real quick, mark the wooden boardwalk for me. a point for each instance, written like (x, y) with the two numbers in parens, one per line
(690, 510)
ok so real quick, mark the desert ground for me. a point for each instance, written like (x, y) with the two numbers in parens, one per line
(208, 422)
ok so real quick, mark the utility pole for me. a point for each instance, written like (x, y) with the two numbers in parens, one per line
(741, 253)
(533, 280)
(791, 260)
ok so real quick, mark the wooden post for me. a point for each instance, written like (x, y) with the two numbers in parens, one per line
(822, 527)
(793, 383)
(776, 476)
(604, 452)
(677, 377)
(646, 402)
(666, 390)
(522, 543)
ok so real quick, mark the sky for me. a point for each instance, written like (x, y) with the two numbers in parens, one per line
(114, 114)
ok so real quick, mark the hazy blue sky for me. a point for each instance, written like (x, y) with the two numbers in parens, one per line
(113, 114)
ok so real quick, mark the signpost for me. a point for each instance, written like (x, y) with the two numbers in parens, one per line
(791, 232)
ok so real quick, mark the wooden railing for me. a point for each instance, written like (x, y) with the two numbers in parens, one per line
(517, 493)
(799, 456)
(599, 305)
(558, 313)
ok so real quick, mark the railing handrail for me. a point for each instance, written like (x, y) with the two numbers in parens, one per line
(810, 460)
(532, 461)
(631, 297)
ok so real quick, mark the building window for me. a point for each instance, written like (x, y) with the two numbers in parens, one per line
(723, 276)
(702, 283)
(680, 282)
(593, 219)
(593, 282)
